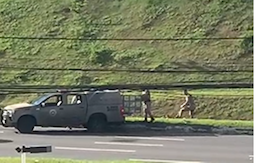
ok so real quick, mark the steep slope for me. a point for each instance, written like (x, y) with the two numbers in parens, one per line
(125, 19)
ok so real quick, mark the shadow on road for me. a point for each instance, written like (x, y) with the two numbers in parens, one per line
(138, 129)
(116, 133)
(163, 124)
(142, 129)
(5, 141)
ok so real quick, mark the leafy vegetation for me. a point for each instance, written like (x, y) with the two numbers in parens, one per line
(131, 19)
(232, 104)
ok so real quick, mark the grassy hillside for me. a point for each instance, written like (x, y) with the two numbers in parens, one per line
(213, 104)
(126, 19)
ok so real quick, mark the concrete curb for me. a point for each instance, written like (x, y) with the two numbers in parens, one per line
(185, 129)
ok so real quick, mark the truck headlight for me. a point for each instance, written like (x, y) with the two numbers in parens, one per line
(8, 113)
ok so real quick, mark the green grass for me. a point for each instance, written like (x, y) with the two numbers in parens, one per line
(230, 104)
(222, 93)
(159, 18)
(132, 19)
(207, 122)
(44, 160)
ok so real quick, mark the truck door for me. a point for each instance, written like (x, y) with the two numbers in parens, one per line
(74, 109)
(47, 114)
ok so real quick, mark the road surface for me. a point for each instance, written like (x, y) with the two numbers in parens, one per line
(168, 149)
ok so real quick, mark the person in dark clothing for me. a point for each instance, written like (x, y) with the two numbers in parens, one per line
(147, 101)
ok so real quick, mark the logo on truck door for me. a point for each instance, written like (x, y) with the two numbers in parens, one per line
(112, 108)
(52, 112)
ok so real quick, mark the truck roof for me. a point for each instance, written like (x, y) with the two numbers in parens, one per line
(87, 92)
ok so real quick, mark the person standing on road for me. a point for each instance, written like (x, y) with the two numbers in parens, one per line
(147, 101)
(188, 105)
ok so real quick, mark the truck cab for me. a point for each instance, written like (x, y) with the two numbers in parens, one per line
(93, 110)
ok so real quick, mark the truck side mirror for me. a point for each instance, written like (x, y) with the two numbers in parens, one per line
(43, 104)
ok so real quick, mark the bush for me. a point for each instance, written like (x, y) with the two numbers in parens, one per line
(102, 57)
(247, 44)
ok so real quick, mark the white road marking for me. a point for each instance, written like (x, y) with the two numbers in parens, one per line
(1, 132)
(149, 138)
(162, 161)
(130, 144)
(95, 149)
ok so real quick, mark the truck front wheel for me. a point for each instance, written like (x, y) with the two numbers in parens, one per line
(97, 123)
(26, 124)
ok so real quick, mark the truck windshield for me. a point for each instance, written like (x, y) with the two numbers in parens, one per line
(37, 101)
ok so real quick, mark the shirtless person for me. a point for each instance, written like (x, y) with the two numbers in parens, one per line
(189, 105)
(147, 101)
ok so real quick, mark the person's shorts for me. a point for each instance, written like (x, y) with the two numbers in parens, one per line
(148, 105)
(189, 108)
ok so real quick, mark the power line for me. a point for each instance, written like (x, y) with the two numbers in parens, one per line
(123, 70)
(128, 86)
(174, 62)
(121, 39)
(186, 81)
(26, 93)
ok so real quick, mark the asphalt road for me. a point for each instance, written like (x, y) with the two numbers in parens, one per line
(168, 149)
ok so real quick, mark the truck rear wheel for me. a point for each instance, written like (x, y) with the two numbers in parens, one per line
(26, 124)
(97, 123)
